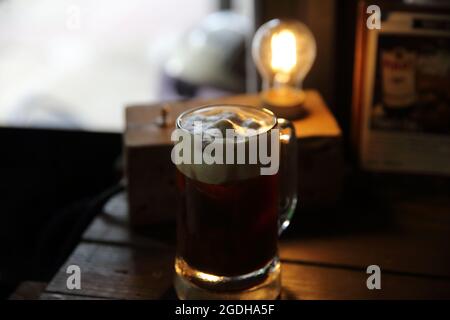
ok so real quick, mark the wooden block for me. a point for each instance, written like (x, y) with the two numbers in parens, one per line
(152, 194)
(142, 120)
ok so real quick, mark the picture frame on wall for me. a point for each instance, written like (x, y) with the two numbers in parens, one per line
(401, 98)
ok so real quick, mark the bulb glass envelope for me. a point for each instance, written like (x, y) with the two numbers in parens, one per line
(283, 51)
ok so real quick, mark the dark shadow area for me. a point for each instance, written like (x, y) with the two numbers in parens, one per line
(367, 204)
(164, 232)
(361, 208)
(170, 294)
(48, 175)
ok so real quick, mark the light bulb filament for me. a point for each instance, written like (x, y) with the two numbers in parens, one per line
(284, 51)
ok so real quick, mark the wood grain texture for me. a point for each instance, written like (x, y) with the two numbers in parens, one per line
(115, 272)
(311, 282)
(412, 251)
(142, 120)
(113, 227)
(396, 250)
(417, 242)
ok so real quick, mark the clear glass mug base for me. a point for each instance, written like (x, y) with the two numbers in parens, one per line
(191, 284)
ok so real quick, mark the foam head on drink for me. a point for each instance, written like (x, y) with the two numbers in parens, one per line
(230, 130)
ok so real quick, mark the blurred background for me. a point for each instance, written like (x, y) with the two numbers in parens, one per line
(68, 68)
(75, 64)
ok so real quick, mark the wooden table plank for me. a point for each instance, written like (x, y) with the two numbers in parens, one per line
(418, 242)
(60, 296)
(118, 272)
(398, 251)
(121, 263)
(121, 272)
(113, 227)
(303, 282)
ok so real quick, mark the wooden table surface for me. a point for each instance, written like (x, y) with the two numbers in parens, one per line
(412, 252)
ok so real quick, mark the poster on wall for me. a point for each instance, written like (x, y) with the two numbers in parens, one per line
(404, 103)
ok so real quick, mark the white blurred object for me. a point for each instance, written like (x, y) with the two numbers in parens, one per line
(90, 55)
(205, 56)
(44, 112)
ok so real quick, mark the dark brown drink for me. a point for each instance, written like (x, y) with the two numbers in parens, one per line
(228, 229)
(230, 216)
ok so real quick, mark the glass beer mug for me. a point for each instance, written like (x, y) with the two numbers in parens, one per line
(238, 195)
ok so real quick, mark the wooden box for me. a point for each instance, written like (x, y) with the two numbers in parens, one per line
(150, 174)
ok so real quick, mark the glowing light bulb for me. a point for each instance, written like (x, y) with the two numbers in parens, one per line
(283, 51)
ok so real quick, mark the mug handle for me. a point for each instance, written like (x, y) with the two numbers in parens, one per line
(288, 173)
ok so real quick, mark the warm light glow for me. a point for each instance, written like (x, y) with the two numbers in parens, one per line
(284, 51)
